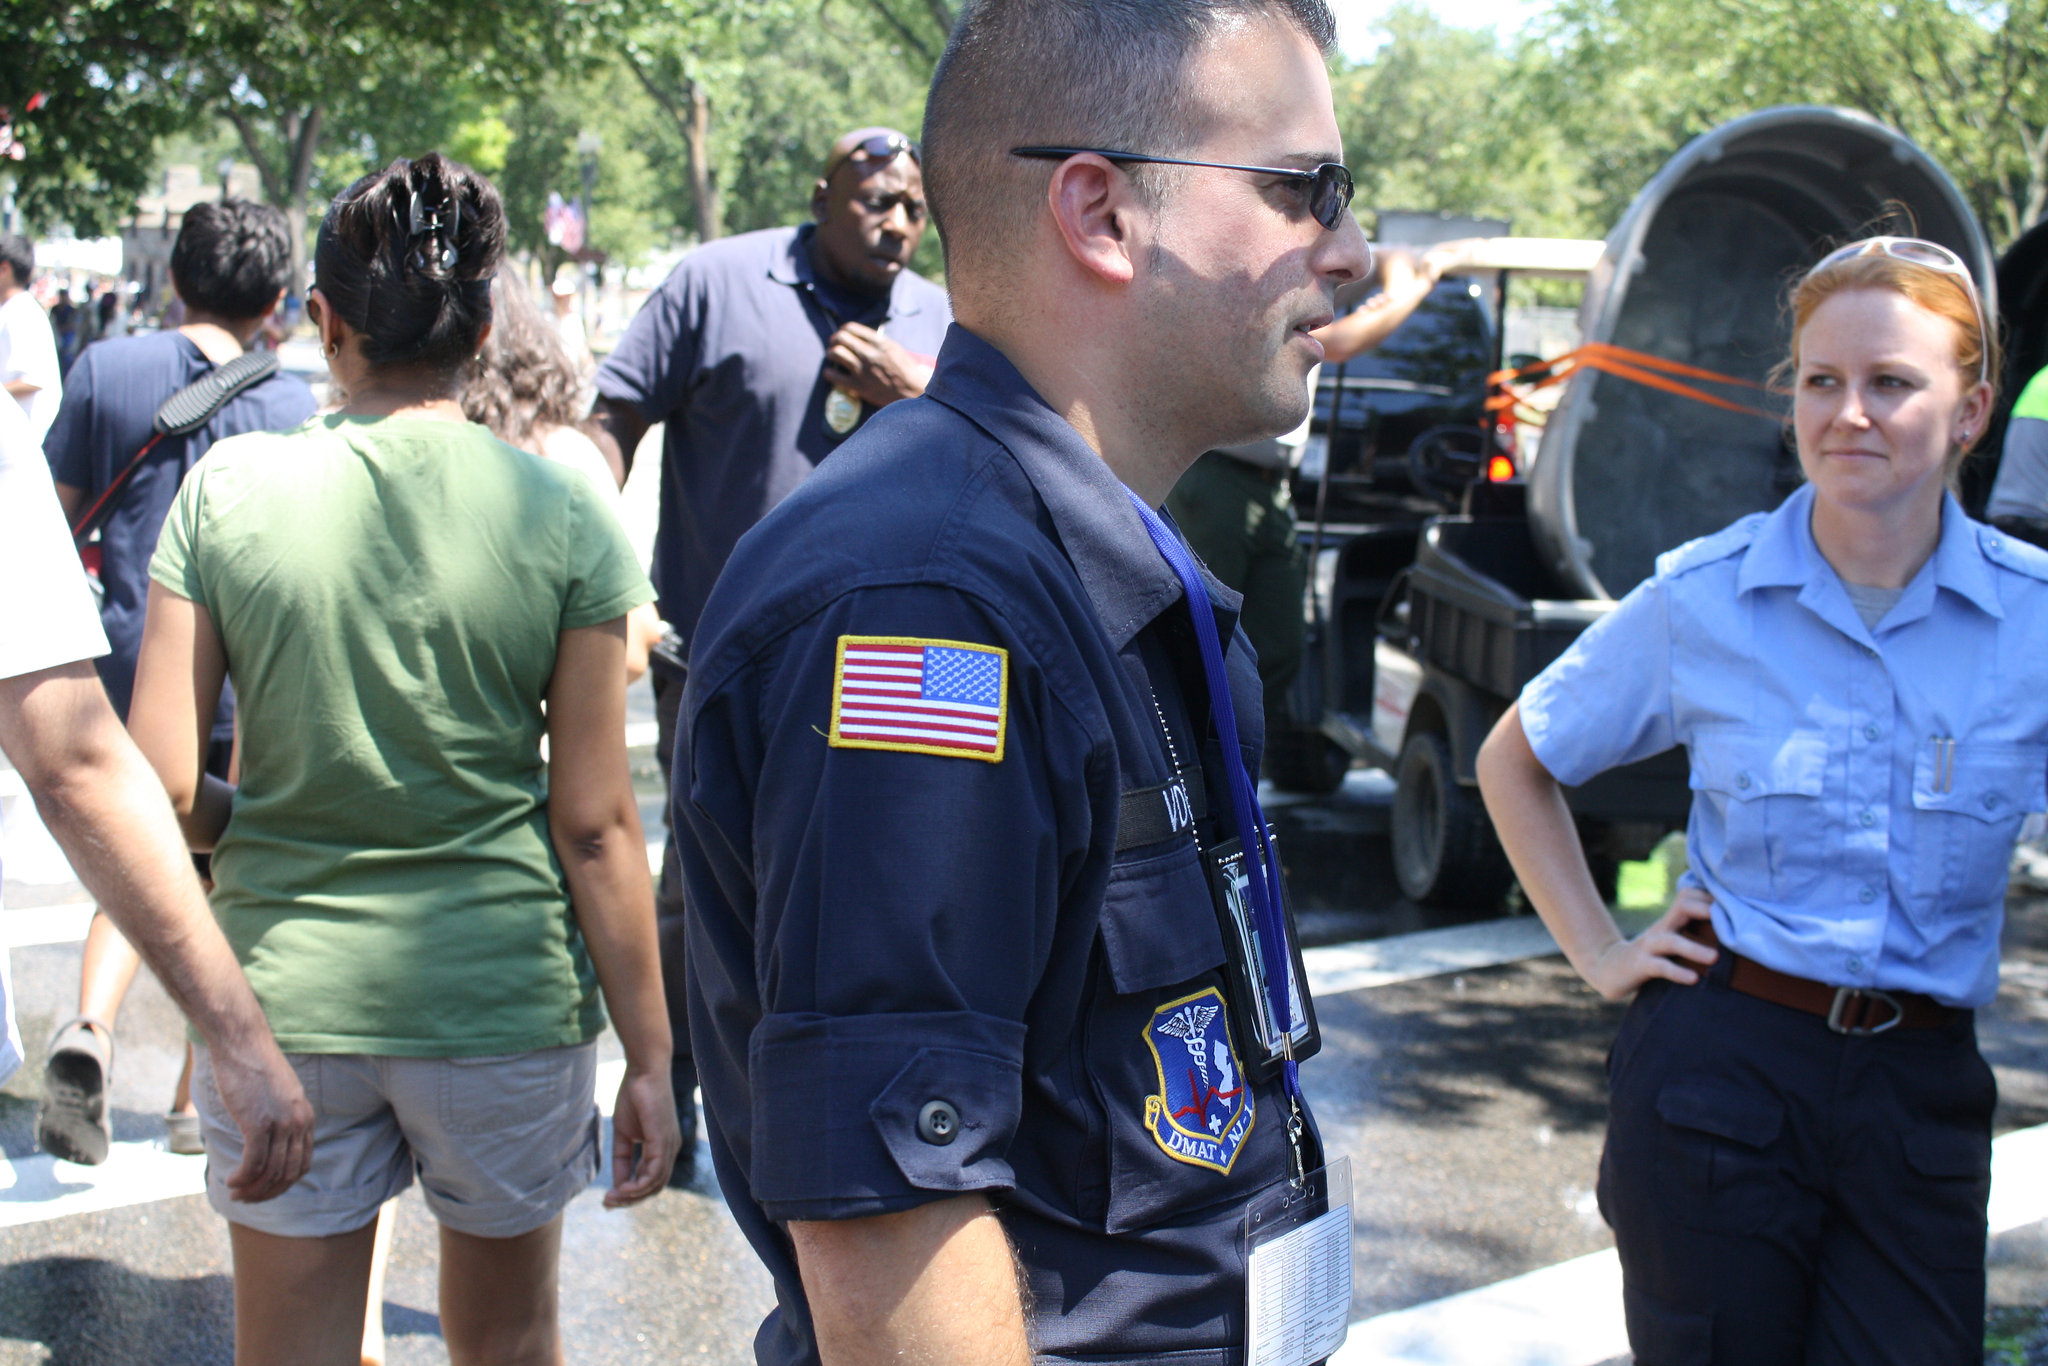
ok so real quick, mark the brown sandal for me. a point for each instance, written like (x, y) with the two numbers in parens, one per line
(72, 1122)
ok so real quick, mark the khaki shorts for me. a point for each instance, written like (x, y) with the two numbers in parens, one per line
(501, 1144)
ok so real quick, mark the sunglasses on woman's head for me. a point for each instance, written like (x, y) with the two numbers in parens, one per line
(1326, 189)
(1918, 251)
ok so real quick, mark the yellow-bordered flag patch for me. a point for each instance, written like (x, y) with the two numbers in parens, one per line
(944, 697)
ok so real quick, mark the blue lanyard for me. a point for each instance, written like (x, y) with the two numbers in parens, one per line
(1262, 870)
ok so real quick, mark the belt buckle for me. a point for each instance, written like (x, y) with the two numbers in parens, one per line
(1843, 995)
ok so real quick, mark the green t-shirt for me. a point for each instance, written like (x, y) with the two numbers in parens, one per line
(390, 594)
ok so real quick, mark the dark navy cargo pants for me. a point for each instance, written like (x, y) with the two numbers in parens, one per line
(1782, 1195)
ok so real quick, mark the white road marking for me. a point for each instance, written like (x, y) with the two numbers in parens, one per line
(1428, 953)
(32, 925)
(1570, 1314)
(39, 1188)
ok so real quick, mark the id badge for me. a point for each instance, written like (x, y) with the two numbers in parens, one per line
(1297, 1257)
(1251, 1000)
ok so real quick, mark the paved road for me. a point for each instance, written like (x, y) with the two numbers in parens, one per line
(1470, 1102)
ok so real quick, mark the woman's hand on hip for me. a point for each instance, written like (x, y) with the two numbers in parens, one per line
(1662, 950)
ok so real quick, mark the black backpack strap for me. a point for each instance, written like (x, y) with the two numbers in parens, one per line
(183, 413)
(193, 406)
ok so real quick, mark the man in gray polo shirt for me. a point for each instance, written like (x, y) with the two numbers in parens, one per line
(761, 353)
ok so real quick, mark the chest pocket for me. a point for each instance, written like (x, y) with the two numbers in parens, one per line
(1770, 790)
(1164, 953)
(1968, 801)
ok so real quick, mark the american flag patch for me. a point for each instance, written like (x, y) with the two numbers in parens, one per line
(920, 696)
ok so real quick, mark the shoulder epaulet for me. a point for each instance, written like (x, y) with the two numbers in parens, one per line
(1729, 540)
(2010, 552)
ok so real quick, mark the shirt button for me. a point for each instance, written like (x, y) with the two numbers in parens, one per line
(1742, 781)
(1855, 965)
(1869, 818)
(1991, 801)
(1867, 895)
(1870, 732)
(938, 1123)
(1870, 651)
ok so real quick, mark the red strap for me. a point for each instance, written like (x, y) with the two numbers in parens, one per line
(1653, 372)
(85, 524)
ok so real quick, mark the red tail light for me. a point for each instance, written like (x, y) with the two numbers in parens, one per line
(1499, 470)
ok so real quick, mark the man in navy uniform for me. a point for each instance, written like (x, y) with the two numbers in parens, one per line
(762, 353)
(974, 1071)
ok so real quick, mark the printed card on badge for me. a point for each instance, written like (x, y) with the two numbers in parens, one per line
(1297, 1246)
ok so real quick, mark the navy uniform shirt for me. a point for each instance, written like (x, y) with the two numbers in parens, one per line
(874, 929)
(110, 399)
(730, 353)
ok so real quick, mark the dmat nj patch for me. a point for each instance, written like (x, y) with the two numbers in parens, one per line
(920, 696)
(1204, 1108)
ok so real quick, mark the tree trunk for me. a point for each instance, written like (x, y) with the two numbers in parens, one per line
(304, 146)
(703, 188)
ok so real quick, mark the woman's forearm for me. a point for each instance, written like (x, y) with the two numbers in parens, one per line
(1542, 841)
(613, 897)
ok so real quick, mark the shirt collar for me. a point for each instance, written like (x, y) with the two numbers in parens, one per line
(1127, 579)
(1784, 555)
(793, 266)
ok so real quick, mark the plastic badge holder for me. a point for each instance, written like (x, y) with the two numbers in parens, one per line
(1297, 1253)
(1250, 995)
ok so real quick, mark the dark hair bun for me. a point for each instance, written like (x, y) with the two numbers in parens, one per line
(406, 256)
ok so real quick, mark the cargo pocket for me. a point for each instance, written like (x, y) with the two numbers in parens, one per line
(1968, 801)
(1160, 1045)
(1715, 1153)
(1767, 787)
(1947, 1196)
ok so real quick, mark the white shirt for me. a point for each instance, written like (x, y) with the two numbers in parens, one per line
(47, 616)
(28, 351)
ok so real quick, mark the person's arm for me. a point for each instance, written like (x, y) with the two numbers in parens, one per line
(72, 499)
(595, 823)
(22, 388)
(178, 678)
(643, 633)
(617, 428)
(1536, 828)
(97, 795)
(1404, 284)
(932, 1286)
(865, 363)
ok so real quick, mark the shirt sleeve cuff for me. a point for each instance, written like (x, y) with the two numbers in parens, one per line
(862, 1115)
(1539, 725)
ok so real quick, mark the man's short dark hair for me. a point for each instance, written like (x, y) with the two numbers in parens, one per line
(231, 257)
(17, 251)
(1075, 73)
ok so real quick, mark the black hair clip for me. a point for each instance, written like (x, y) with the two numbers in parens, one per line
(427, 220)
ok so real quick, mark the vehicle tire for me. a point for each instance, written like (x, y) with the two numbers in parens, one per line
(1306, 761)
(1445, 851)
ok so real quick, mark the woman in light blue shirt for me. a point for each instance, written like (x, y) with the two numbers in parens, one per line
(1798, 1149)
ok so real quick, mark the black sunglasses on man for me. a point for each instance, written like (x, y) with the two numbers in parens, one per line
(1327, 188)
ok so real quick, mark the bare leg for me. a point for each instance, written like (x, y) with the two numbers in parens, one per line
(109, 967)
(499, 1298)
(373, 1301)
(181, 1098)
(299, 1301)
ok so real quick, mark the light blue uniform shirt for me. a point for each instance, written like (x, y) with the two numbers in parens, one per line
(1856, 792)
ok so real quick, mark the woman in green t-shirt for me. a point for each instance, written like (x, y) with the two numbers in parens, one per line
(428, 910)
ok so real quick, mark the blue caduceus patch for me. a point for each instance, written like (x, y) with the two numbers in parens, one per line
(1203, 1108)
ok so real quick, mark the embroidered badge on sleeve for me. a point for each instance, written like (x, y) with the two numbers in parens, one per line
(920, 696)
(1203, 1110)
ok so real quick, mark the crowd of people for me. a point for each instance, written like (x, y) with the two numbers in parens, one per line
(968, 923)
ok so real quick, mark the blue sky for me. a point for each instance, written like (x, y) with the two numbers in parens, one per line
(1356, 18)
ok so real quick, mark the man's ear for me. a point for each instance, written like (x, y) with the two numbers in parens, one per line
(821, 201)
(275, 301)
(1093, 209)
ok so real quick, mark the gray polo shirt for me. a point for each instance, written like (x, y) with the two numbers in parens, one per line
(730, 353)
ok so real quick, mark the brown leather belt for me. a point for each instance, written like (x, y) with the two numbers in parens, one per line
(1848, 1010)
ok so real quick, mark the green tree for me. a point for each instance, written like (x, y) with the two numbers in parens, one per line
(104, 70)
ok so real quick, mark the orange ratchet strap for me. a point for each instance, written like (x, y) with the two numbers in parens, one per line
(1640, 367)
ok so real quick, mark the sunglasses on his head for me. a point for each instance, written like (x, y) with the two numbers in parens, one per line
(1918, 251)
(1327, 189)
(880, 148)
